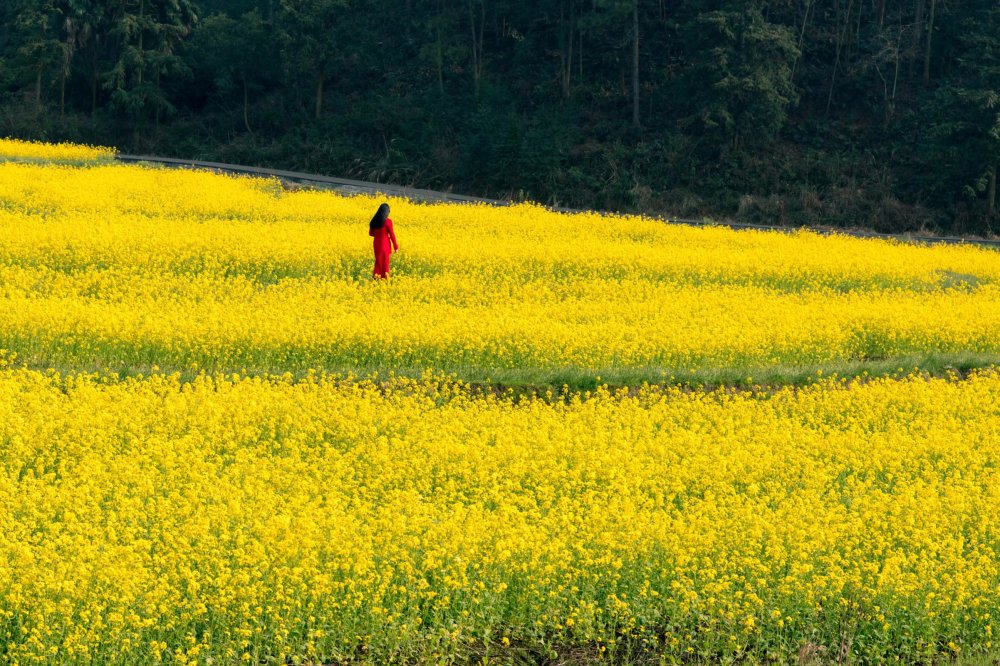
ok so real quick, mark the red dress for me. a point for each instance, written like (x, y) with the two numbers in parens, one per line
(382, 238)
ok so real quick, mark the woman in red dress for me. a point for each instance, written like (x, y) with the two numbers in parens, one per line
(380, 228)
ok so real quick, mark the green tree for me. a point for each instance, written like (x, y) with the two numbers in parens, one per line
(235, 55)
(84, 23)
(740, 78)
(39, 49)
(148, 33)
(310, 32)
(965, 155)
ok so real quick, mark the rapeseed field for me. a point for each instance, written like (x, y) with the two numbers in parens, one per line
(123, 268)
(63, 153)
(222, 443)
(266, 521)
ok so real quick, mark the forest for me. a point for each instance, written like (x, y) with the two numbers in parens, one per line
(881, 114)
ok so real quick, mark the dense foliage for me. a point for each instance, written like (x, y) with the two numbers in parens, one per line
(880, 113)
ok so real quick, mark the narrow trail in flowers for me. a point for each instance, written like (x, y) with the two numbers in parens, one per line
(350, 186)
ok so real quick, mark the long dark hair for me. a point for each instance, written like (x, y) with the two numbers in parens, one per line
(381, 215)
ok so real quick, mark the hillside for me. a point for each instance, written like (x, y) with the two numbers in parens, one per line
(879, 115)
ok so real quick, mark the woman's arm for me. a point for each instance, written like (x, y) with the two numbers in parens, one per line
(392, 235)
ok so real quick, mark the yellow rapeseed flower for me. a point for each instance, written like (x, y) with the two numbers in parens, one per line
(323, 485)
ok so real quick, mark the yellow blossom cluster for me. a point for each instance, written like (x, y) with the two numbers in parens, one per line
(249, 520)
(16, 149)
(120, 267)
